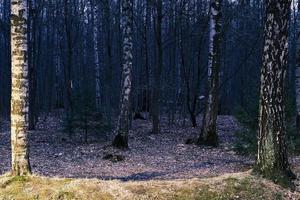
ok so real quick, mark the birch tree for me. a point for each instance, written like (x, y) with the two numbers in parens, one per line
(20, 86)
(96, 55)
(209, 134)
(272, 159)
(121, 139)
(32, 58)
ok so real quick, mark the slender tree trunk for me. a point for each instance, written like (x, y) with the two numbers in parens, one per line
(96, 56)
(272, 159)
(148, 58)
(157, 71)
(68, 66)
(109, 66)
(209, 135)
(297, 70)
(121, 140)
(297, 86)
(20, 89)
(51, 57)
(32, 67)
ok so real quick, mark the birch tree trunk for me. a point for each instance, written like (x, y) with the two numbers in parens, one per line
(209, 134)
(96, 56)
(272, 160)
(20, 86)
(121, 140)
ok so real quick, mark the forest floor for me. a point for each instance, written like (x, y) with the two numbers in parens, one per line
(162, 157)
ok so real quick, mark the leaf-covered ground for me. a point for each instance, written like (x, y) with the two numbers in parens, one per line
(151, 159)
(162, 156)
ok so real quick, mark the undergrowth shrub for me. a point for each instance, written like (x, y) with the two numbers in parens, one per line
(85, 120)
(246, 137)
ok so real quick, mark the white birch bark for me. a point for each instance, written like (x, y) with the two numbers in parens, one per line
(121, 140)
(20, 86)
(209, 133)
(272, 157)
(96, 57)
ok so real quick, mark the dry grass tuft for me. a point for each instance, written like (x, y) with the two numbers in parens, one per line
(226, 187)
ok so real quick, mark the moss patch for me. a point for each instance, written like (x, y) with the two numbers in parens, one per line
(230, 188)
(36, 188)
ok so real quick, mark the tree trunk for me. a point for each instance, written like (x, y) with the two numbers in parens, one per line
(32, 67)
(209, 134)
(68, 66)
(297, 67)
(96, 56)
(157, 71)
(297, 86)
(121, 140)
(272, 160)
(108, 57)
(193, 117)
(20, 89)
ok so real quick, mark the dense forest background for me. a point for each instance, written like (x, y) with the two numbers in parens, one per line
(137, 90)
(75, 50)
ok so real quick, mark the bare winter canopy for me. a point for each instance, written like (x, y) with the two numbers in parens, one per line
(99, 67)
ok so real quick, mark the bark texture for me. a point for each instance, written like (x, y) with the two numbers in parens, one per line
(121, 140)
(209, 134)
(20, 89)
(272, 155)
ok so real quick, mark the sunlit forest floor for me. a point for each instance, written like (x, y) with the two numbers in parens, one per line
(229, 186)
(153, 162)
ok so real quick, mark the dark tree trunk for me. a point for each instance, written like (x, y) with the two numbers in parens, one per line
(108, 58)
(68, 66)
(32, 22)
(297, 61)
(193, 119)
(157, 70)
